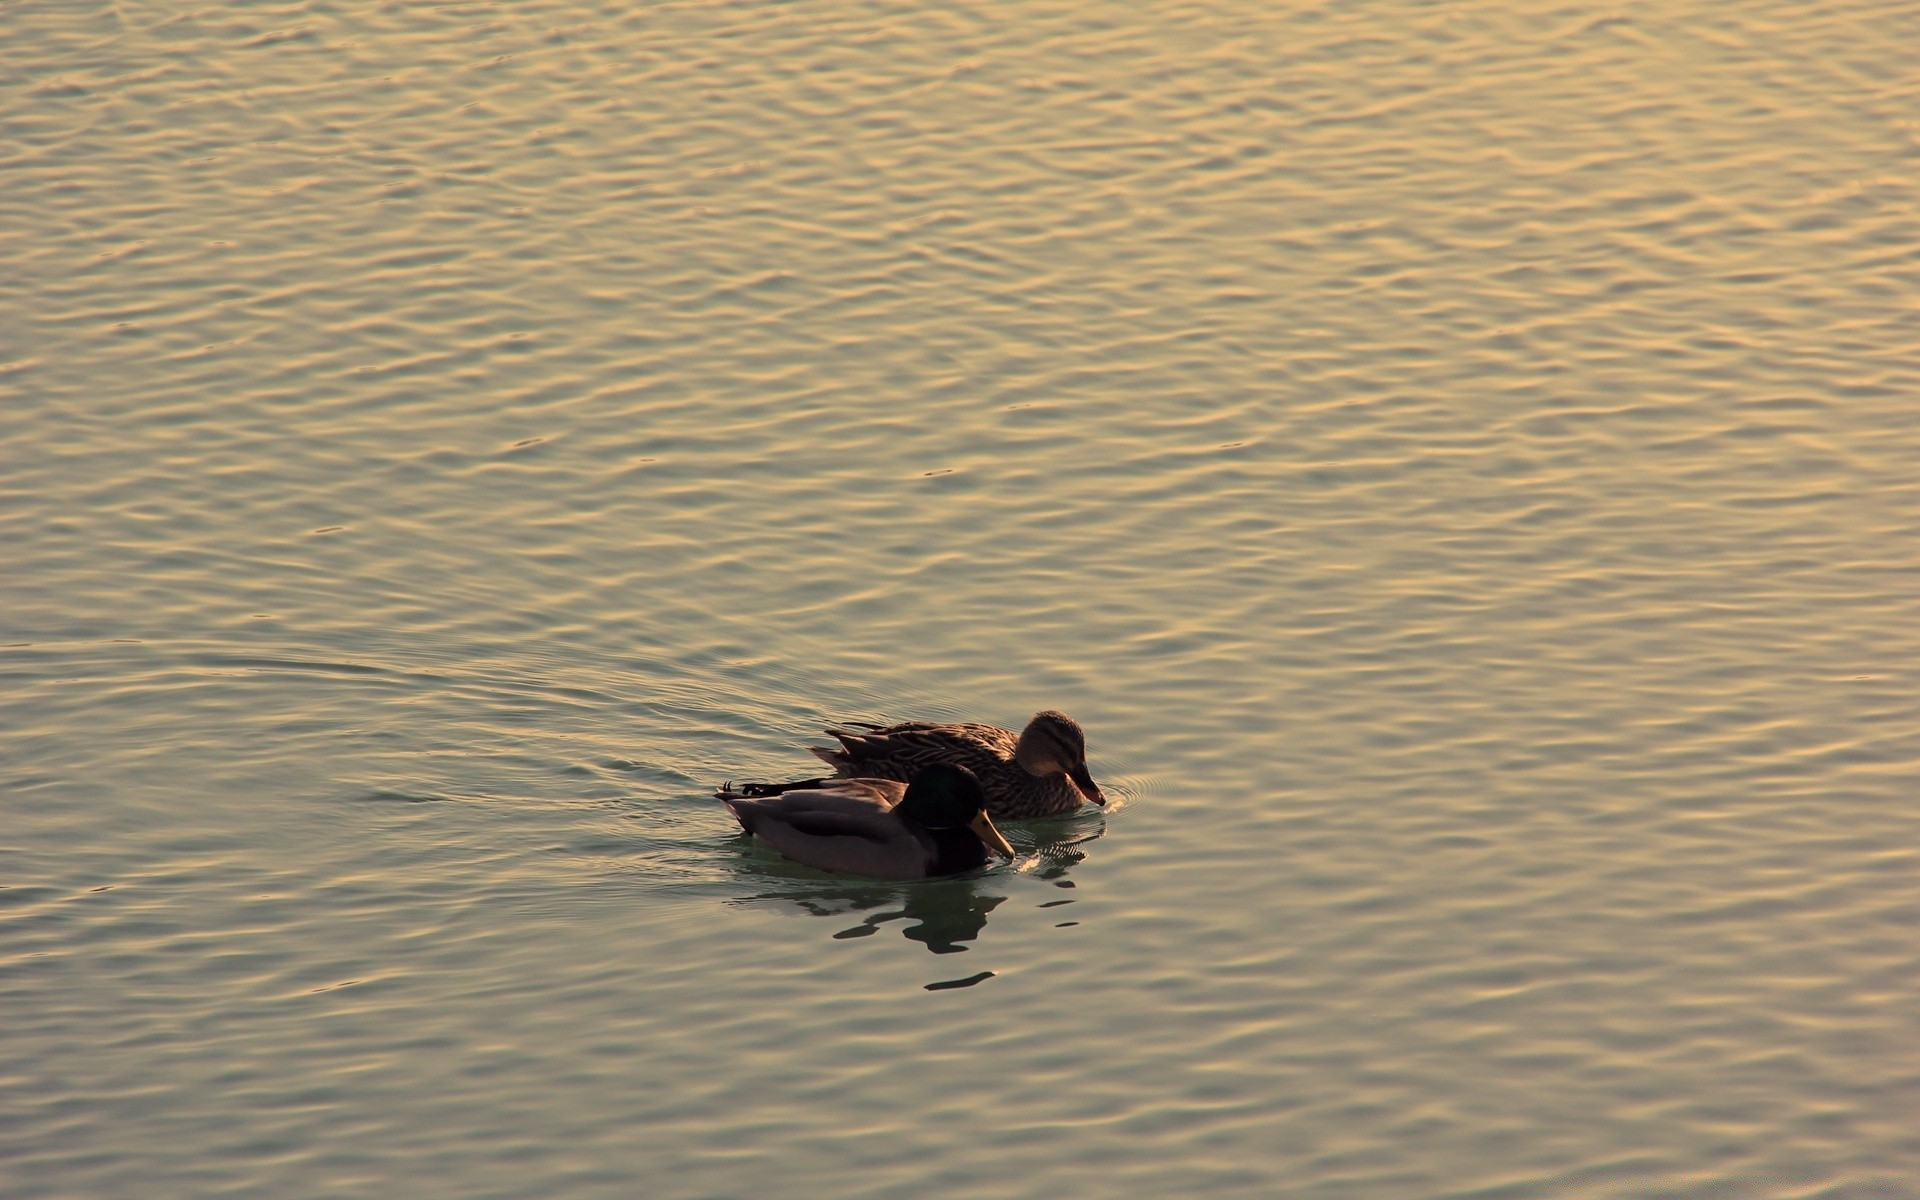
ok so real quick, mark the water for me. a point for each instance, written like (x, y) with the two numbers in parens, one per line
(1458, 463)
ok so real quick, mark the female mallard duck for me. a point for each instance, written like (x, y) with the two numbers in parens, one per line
(1041, 772)
(935, 825)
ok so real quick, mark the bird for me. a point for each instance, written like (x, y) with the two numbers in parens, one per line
(936, 824)
(1040, 772)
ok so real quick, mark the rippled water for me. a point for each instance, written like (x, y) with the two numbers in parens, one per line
(1459, 462)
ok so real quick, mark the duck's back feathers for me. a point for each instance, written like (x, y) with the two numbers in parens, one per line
(902, 751)
(849, 825)
(898, 751)
(854, 796)
(856, 843)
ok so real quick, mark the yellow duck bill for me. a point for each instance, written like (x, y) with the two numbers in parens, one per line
(991, 835)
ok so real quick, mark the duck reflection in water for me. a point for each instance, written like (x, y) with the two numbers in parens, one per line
(944, 915)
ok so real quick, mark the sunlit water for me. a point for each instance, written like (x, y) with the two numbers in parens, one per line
(1461, 464)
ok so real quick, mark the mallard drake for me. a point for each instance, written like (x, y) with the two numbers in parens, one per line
(1038, 773)
(934, 825)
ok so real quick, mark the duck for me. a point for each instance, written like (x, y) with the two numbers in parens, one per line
(936, 824)
(1039, 772)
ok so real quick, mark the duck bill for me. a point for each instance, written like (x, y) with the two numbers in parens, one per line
(983, 825)
(1085, 783)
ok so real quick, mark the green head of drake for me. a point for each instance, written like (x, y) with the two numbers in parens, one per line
(946, 796)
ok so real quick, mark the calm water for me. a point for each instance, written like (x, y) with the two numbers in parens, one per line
(1461, 463)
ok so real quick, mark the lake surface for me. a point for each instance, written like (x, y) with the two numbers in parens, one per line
(1460, 463)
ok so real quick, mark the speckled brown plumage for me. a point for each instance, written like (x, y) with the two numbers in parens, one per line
(1036, 773)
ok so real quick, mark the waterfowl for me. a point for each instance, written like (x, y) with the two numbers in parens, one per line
(1037, 773)
(934, 825)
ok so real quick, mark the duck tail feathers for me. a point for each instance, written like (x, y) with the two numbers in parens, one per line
(760, 791)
